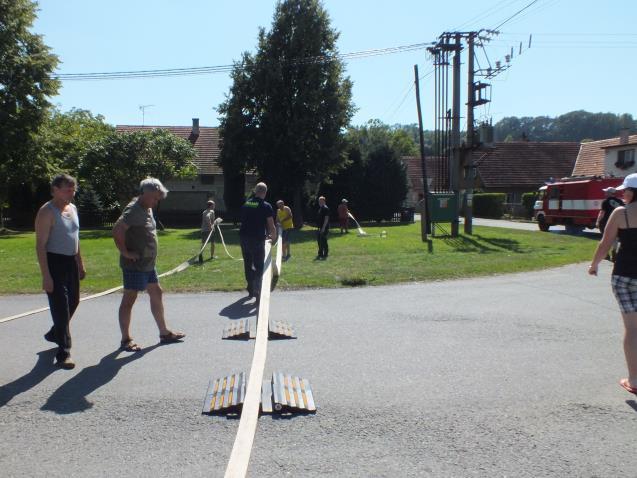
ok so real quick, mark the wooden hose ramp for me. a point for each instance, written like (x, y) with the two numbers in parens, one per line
(242, 448)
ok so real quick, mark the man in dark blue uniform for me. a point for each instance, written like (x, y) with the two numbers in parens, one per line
(257, 225)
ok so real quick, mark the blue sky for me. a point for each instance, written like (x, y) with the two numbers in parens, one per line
(582, 54)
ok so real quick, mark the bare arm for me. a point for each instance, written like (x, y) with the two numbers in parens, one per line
(600, 216)
(610, 234)
(119, 236)
(289, 213)
(43, 224)
(80, 263)
(272, 234)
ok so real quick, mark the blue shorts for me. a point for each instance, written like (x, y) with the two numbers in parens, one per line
(139, 280)
(286, 234)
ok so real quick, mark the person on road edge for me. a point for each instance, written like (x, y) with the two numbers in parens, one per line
(284, 218)
(207, 225)
(622, 224)
(257, 225)
(323, 223)
(57, 245)
(135, 235)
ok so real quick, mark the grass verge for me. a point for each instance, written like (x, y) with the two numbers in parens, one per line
(353, 261)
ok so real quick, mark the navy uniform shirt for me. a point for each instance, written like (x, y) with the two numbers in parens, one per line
(323, 212)
(254, 217)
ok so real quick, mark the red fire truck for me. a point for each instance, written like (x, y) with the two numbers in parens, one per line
(573, 202)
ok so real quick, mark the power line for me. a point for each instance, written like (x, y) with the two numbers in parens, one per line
(207, 70)
(515, 14)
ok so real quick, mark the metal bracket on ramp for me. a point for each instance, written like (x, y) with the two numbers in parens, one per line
(278, 330)
(282, 394)
(291, 394)
(238, 330)
(225, 395)
(242, 330)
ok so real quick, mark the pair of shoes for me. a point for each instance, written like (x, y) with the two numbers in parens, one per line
(171, 337)
(129, 345)
(65, 362)
(318, 258)
(624, 383)
(50, 336)
(287, 258)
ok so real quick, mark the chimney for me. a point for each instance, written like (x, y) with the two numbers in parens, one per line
(623, 135)
(195, 127)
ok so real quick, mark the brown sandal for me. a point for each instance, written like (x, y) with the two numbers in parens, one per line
(171, 337)
(129, 345)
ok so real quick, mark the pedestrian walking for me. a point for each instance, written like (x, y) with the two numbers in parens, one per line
(285, 220)
(323, 223)
(57, 238)
(622, 224)
(257, 225)
(135, 235)
(208, 225)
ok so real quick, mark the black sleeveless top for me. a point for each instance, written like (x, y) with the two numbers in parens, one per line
(626, 261)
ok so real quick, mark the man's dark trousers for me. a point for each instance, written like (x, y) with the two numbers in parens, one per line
(64, 299)
(321, 238)
(253, 251)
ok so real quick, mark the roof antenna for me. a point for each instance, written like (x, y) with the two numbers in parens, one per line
(142, 108)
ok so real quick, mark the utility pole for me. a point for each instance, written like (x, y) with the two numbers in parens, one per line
(469, 170)
(425, 222)
(455, 130)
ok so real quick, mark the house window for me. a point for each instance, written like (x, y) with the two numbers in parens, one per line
(207, 179)
(625, 158)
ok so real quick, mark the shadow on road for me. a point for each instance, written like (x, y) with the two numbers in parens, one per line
(42, 369)
(239, 309)
(70, 397)
(632, 404)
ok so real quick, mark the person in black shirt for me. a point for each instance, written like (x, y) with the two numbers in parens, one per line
(608, 205)
(323, 223)
(257, 225)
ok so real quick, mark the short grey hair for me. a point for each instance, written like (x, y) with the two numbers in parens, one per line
(261, 188)
(151, 185)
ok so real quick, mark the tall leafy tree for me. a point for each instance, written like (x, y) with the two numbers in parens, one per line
(114, 166)
(294, 102)
(26, 64)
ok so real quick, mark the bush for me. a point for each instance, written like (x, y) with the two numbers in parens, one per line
(528, 201)
(489, 205)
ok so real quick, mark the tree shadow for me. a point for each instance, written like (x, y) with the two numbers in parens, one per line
(239, 309)
(508, 244)
(466, 244)
(42, 369)
(70, 397)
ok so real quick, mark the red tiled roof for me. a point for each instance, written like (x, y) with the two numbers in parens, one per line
(524, 164)
(206, 144)
(590, 160)
(414, 173)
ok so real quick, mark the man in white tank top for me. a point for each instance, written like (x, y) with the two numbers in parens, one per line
(58, 249)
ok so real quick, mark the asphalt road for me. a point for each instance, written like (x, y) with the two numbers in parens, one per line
(511, 375)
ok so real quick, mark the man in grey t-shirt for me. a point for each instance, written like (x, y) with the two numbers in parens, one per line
(135, 235)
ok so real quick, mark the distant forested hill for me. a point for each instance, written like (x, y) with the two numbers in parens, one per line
(573, 126)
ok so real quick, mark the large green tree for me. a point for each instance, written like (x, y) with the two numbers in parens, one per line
(114, 165)
(289, 105)
(26, 65)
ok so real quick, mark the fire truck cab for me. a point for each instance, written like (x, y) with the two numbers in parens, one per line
(572, 202)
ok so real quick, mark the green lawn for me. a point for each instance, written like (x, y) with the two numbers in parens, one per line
(399, 257)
